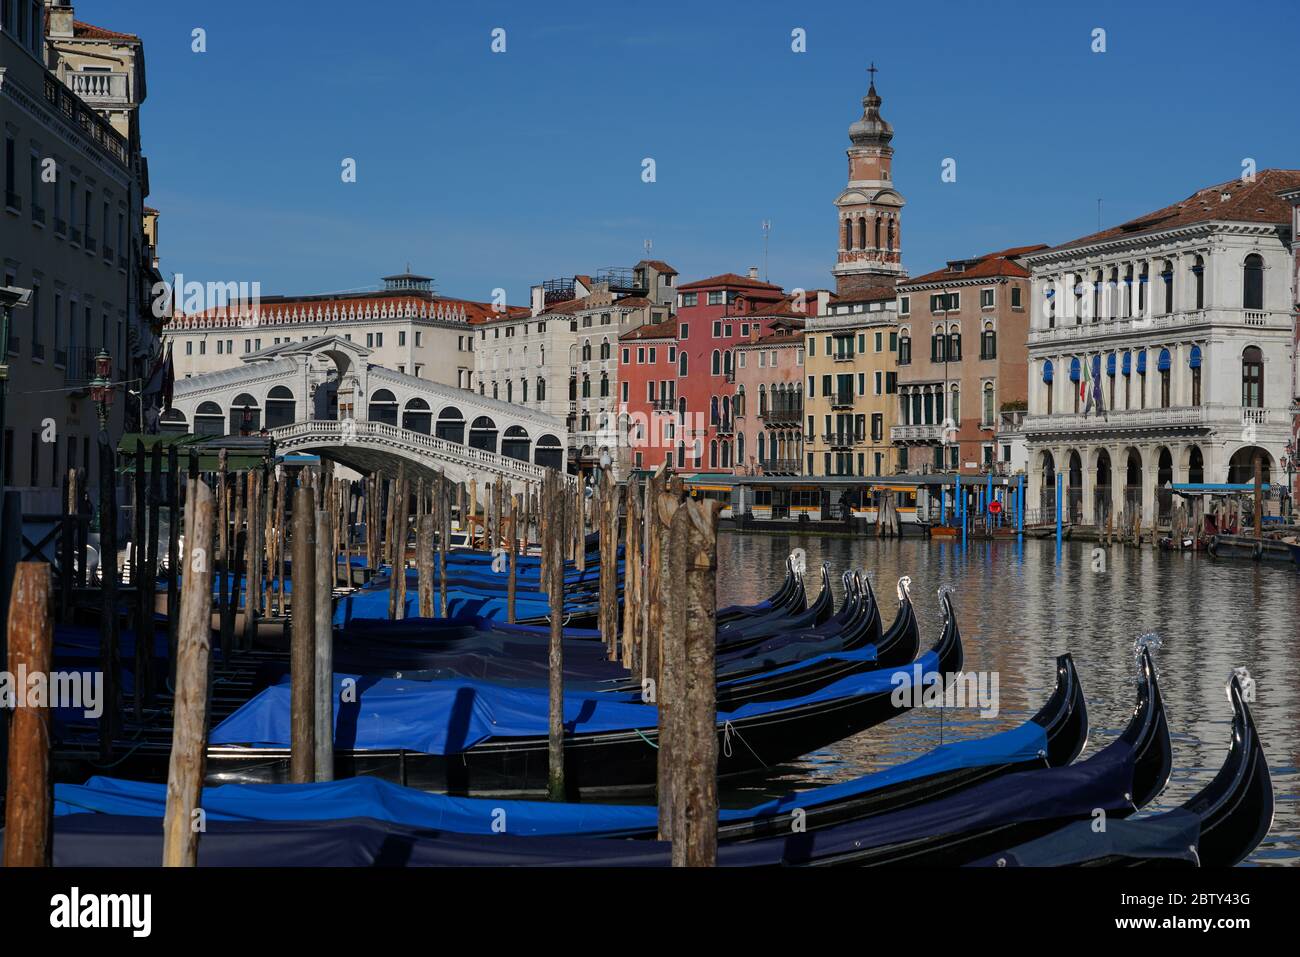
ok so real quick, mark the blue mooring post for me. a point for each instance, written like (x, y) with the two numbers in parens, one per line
(1020, 506)
(961, 506)
(943, 501)
(988, 497)
(1059, 478)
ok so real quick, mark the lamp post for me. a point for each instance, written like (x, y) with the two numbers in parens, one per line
(1289, 465)
(101, 390)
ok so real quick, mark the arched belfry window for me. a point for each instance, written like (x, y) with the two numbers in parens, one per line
(1252, 377)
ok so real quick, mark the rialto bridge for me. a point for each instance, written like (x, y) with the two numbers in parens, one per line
(323, 397)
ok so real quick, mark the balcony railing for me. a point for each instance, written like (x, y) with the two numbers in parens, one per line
(842, 400)
(38, 214)
(844, 356)
(13, 201)
(781, 417)
(726, 427)
(780, 467)
(916, 433)
(80, 366)
(840, 440)
(91, 86)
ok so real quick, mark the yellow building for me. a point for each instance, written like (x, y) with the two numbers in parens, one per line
(850, 349)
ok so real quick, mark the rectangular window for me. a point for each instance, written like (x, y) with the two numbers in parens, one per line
(879, 382)
(812, 347)
(690, 298)
(683, 330)
(1015, 297)
(627, 356)
(652, 355)
(986, 298)
(812, 387)
(905, 305)
(401, 338)
(715, 299)
(189, 347)
(379, 339)
(640, 356)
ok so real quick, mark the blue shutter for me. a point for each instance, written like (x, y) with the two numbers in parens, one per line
(1047, 371)
(1163, 362)
(1074, 369)
(1195, 360)
(1110, 364)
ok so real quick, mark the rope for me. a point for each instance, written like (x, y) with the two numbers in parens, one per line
(642, 736)
(728, 729)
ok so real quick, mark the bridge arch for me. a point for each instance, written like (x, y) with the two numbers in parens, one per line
(209, 419)
(245, 415)
(515, 443)
(280, 407)
(549, 452)
(451, 425)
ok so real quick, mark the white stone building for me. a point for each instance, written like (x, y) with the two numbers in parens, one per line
(405, 326)
(563, 358)
(1181, 323)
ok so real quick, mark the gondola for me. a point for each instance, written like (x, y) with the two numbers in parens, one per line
(1217, 827)
(754, 737)
(1052, 737)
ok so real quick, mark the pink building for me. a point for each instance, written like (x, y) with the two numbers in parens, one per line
(769, 400)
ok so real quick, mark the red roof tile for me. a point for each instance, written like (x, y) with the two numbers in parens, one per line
(730, 279)
(88, 31)
(652, 330)
(1234, 201)
(987, 266)
(660, 265)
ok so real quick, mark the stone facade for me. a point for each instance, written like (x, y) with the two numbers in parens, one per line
(1183, 321)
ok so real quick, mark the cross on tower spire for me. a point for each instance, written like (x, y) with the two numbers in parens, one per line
(873, 71)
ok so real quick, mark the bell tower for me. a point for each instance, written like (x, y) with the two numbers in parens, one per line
(869, 209)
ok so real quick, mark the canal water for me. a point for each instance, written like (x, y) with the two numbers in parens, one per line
(1019, 607)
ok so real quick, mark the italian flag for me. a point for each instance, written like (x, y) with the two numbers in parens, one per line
(1085, 379)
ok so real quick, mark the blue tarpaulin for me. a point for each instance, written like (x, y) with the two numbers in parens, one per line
(381, 800)
(448, 717)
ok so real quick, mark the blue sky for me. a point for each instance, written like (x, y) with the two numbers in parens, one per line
(487, 170)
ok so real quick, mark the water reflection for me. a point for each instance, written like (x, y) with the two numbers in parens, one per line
(1019, 608)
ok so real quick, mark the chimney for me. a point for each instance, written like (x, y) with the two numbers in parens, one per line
(753, 272)
(538, 301)
(823, 301)
(60, 17)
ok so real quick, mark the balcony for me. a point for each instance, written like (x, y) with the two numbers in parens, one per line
(60, 227)
(38, 214)
(1106, 329)
(847, 356)
(780, 467)
(13, 201)
(840, 440)
(663, 404)
(726, 427)
(842, 400)
(100, 88)
(79, 366)
(916, 433)
(779, 418)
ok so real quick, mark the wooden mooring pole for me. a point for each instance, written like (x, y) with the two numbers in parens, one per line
(324, 633)
(190, 708)
(512, 546)
(671, 531)
(29, 796)
(302, 649)
(555, 659)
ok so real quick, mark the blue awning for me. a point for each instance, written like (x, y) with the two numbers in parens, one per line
(1110, 364)
(1096, 366)
(1195, 360)
(1047, 371)
(1128, 362)
(1163, 362)
(1074, 369)
(1142, 361)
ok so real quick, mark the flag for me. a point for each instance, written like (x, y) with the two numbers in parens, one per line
(1096, 386)
(161, 379)
(169, 380)
(1085, 393)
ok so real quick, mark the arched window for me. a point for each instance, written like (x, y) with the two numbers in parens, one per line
(681, 364)
(209, 419)
(717, 362)
(1252, 286)
(510, 390)
(515, 443)
(586, 350)
(681, 408)
(1167, 276)
(956, 405)
(988, 342)
(905, 349)
(877, 238)
(1163, 362)
(1198, 273)
(573, 388)
(173, 422)
(1252, 377)
(245, 415)
(604, 349)
(586, 386)
(713, 454)
(451, 425)
(862, 232)
(280, 407)
(483, 434)
(1194, 361)
(541, 389)
(848, 234)
(416, 416)
(548, 452)
(713, 410)
(889, 245)
(726, 455)
(988, 403)
(604, 385)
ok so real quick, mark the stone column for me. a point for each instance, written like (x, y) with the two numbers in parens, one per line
(1088, 484)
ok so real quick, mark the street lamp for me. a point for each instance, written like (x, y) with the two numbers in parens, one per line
(1289, 465)
(101, 388)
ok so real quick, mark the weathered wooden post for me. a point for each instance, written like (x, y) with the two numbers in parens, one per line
(253, 556)
(579, 526)
(608, 505)
(696, 785)
(555, 659)
(239, 502)
(444, 540)
(473, 511)
(653, 548)
(282, 534)
(632, 580)
(190, 708)
(324, 651)
(671, 530)
(512, 544)
(302, 650)
(29, 796)
(424, 562)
